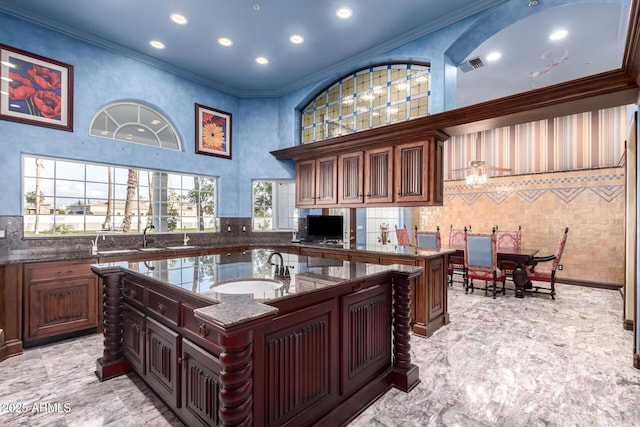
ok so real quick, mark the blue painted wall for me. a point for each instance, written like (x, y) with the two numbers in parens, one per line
(259, 125)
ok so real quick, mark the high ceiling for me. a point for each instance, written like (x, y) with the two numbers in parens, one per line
(334, 46)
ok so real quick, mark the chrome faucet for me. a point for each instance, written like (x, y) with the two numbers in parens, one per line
(280, 270)
(185, 240)
(144, 234)
(94, 246)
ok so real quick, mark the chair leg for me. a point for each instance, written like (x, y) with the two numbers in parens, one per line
(553, 289)
(494, 289)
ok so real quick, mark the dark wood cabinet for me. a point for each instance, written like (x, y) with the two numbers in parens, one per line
(326, 181)
(162, 361)
(134, 334)
(305, 183)
(60, 298)
(351, 178)
(378, 173)
(316, 182)
(200, 386)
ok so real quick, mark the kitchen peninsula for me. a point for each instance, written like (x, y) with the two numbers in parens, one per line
(314, 343)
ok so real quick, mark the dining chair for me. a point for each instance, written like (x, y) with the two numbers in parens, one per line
(402, 235)
(456, 239)
(427, 239)
(536, 273)
(481, 262)
(508, 239)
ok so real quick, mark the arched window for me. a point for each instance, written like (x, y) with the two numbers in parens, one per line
(133, 122)
(372, 97)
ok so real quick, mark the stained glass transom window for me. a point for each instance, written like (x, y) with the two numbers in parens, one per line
(369, 98)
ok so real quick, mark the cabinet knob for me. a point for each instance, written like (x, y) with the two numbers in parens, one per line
(132, 293)
(203, 331)
(161, 308)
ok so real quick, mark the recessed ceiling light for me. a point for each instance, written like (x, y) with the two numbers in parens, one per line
(225, 41)
(494, 56)
(344, 13)
(557, 35)
(156, 44)
(262, 60)
(178, 19)
(8, 64)
(296, 39)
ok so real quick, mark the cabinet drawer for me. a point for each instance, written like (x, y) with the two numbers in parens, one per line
(133, 293)
(165, 307)
(386, 260)
(49, 271)
(199, 328)
(371, 259)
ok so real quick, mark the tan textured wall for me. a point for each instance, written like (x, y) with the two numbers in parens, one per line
(591, 203)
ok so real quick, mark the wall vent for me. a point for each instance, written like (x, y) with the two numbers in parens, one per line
(470, 65)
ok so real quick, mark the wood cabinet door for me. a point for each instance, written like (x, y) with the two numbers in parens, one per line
(437, 285)
(163, 351)
(305, 183)
(411, 172)
(61, 306)
(350, 178)
(200, 386)
(326, 181)
(378, 178)
(133, 338)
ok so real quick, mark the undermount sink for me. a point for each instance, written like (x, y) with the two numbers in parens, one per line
(116, 251)
(173, 248)
(259, 288)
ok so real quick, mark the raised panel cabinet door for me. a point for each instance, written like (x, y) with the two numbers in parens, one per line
(378, 177)
(133, 338)
(411, 172)
(305, 183)
(60, 307)
(350, 178)
(200, 386)
(327, 181)
(163, 352)
(366, 335)
(436, 278)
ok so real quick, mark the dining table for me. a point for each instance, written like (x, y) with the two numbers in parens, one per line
(519, 257)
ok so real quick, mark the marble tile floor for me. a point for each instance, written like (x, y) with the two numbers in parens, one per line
(504, 362)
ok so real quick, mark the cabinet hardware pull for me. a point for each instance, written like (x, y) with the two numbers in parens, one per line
(161, 308)
(132, 293)
(203, 331)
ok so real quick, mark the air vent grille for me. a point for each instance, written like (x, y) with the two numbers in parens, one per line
(470, 65)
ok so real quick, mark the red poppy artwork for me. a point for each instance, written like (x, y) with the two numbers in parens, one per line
(213, 132)
(35, 90)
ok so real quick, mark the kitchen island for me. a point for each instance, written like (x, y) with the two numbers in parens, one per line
(224, 341)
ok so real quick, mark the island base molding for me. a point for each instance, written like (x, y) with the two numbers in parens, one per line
(107, 370)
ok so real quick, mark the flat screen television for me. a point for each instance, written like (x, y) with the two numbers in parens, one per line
(324, 227)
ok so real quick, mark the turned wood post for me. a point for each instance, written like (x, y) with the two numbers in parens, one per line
(236, 380)
(406, 374)
(112, 362)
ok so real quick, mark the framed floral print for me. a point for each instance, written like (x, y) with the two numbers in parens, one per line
(35, 90)
(213, 132)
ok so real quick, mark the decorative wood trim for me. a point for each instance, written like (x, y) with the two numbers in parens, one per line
(587, 284)
(631, 58)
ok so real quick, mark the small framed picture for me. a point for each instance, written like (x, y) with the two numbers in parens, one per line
(213, 132)
(35, 90)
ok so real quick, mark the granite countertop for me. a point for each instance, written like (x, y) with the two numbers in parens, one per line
(209, 275)
(378, 248)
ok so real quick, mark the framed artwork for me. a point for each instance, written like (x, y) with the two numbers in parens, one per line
(35, 90)
(213, 132)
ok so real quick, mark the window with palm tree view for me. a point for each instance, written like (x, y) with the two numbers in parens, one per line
(274, 205)
(67, 197)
